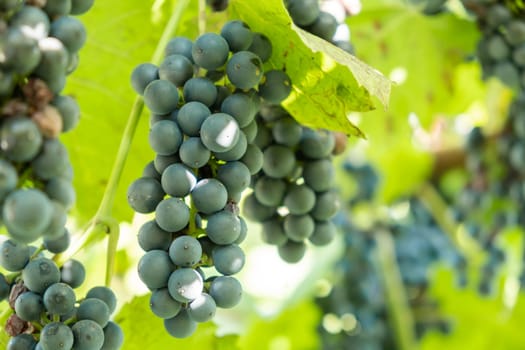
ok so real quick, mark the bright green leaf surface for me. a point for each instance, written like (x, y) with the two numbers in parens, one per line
(327, 82)
(144, 330)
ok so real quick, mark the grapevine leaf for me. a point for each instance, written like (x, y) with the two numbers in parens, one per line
(142, 327)
(327, 82)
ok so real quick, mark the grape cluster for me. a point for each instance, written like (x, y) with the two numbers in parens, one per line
(501, 50)
(47, 315)
(293, 196)
(355, 308)
(202, 129)
(40, 45)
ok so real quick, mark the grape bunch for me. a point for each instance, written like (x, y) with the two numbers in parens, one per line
(40, 45)
(293, 196)
(47, 314)
(202, 129)
(501, 50)
(356, 314)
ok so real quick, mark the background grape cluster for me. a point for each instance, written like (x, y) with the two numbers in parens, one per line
(39, 47)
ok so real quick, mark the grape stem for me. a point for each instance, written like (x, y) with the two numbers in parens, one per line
(202, 17)
(399, 314)
(103, 223)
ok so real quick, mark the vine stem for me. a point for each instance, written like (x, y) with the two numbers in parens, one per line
(399, 313)
(202, 17)
(103, 222)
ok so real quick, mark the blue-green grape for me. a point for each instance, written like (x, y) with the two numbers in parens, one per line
(319, 174)
(202, 309)
(261, 46)
(161, 96)
(317, 144)
(237, 152)
(79, 7)
(299, 199)
(226, 291)
(56, 8)
(162, 162)
(113, 337)
(151, 237)
(180, 326)
(14, 255)
(70, 31)
(62, 191)
(150, 171)
(303, 12)
(515, 32)
(21, 138)
(73, 273)
(69, 111)
(244, 69)
(5, 287)
(93, 309)
(59, 244)
(22, 341)
(228, 259)
(279, 161)
(178, 180)
(6, 83)
(21, 52)
(185, 251)
(59, 299)
(29, 306)
(292, 251)
(235, 176)
(244, 231)
(238, 35)
(324, 233)
(273, 232)
(155, 268)
(27, 213)
(87, 335)
(269, 191)
(326, 205)
(200, 90)
(54, 60)
(163, 305)
(142, 76)
(275, 87)
(185, 284)
(172, 214)
(253, 158)
(250, 131)
(210, 51)
(176, 68)
(324, 26)
(241, 107)
(220, 132)
(31, 21)
(209, 196)
(144, 194)
(105, 294)
(298, 227)
(256, 211)
(194, 153)
(165, 137)
(191, 116)
(39, 274)
(286, 131)
(179, 45)
(56, 226)
(52, 160)
(56, 335)
(223, 227)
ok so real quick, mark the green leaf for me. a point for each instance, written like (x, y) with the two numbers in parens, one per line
(327, 82)
(143, 330)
